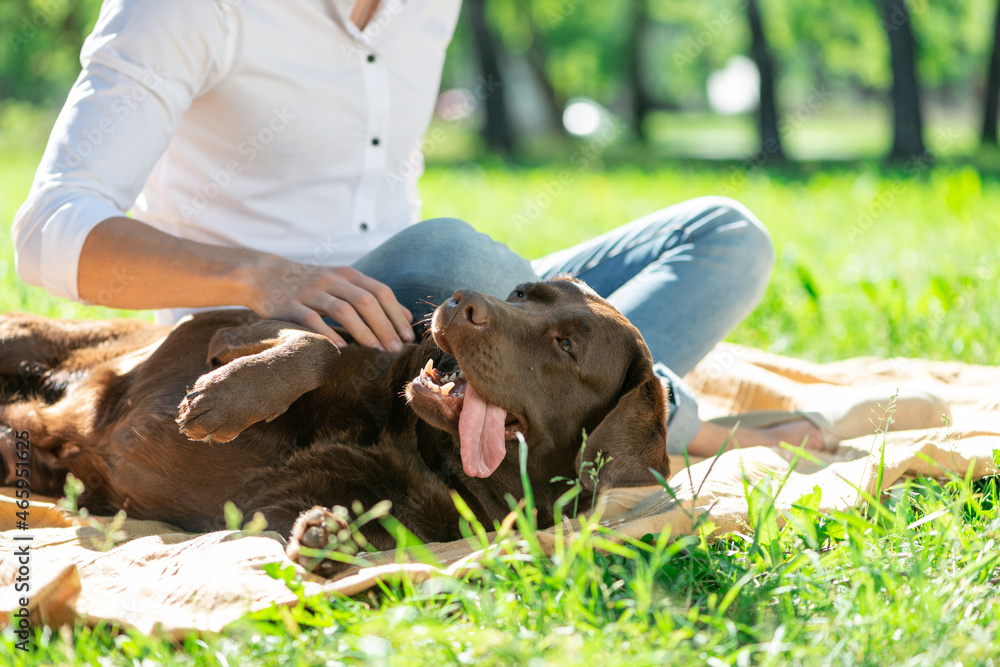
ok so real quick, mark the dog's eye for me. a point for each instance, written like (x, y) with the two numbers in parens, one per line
(566, 345)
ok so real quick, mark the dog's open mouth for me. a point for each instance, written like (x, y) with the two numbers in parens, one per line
(449, 388)
(483, 428)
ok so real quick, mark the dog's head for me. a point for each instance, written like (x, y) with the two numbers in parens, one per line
(550, 362)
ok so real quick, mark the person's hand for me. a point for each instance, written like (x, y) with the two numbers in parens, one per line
(285, 290)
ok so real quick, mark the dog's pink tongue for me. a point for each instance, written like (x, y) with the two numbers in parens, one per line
(480, 429)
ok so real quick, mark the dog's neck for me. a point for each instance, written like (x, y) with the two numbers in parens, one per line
(440, 450)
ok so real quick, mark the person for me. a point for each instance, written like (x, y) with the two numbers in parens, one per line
(269, 154)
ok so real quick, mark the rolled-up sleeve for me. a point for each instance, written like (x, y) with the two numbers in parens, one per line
(144, 63)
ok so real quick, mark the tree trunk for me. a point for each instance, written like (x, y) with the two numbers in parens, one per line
(992, 98)
(497, 132)
(908, 129)
(767, 116)
(641, 102)
(535, 57)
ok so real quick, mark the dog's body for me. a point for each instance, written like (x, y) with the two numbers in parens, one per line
(169, 424)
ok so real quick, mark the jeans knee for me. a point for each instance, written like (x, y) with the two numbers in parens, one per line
(745, 232)
(443, 229)
(473, 260)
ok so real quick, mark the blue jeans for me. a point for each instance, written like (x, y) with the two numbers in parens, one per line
(685, 276)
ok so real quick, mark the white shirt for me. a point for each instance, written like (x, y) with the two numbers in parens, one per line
(272, 125)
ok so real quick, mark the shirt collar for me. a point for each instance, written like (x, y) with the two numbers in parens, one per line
(388, 10)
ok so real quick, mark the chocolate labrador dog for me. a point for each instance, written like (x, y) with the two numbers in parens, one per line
(170, 423)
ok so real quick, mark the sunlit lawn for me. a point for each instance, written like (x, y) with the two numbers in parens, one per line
(870, 262)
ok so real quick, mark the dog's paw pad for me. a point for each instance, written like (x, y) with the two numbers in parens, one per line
(318, 532)
(314, 538)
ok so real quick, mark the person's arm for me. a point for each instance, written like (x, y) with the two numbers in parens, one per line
(143, 65)
(127, 264)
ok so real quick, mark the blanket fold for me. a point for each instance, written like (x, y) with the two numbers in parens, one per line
(156, 578)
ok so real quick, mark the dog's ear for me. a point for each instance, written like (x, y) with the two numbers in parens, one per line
(632, 438)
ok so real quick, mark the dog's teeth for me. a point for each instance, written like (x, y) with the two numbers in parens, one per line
(461, 374)
(446, 388)
(433, 387)
(429, 367)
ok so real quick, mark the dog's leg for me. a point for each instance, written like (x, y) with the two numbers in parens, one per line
(317, 533)
(261, 369)
(295, 499)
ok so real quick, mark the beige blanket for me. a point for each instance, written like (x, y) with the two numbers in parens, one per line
(153, 577)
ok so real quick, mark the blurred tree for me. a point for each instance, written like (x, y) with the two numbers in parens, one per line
(908, 129)
(574, 46)
(497, 130)
(992, 93)
(767, 113)
(640, 56)
(537, 57)
(641, 101)
(687, 41)
(41, 47)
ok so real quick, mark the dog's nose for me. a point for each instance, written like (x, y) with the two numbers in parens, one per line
(472, 307)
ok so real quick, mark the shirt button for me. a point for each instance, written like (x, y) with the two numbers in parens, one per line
(375, 141)
(363, 226)
(371, 58)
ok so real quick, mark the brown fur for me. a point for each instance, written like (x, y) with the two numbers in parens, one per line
(169, 424)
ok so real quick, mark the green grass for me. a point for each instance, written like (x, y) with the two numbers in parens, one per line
(870, 262)
(912, 582)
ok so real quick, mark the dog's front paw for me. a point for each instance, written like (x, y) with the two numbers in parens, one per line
(317, 533)
(219, 408)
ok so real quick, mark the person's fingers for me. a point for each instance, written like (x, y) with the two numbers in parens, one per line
(400, 317)
(310, 318)
(351, 288)
(365, 307)
(349, 317)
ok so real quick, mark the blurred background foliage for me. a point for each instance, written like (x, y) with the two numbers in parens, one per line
(684, 75)
(863, 133)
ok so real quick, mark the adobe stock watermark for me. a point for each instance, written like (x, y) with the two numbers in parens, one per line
(384, 15)
(122, 107)
(694, 46)
(120, 280)
(24, 31)
(721, 361)
(250, 148)
(555, 15)
(413, 163)
(790, 120)
(898, 18)
(298, 274)
(987, 271)
(877, 207)
(534, 208)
